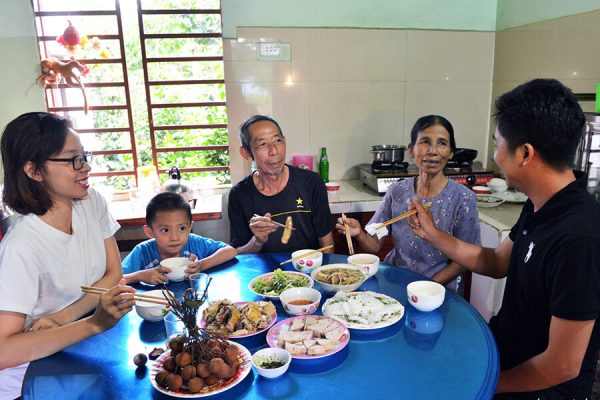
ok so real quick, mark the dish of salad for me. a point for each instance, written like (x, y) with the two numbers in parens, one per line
(272, 284)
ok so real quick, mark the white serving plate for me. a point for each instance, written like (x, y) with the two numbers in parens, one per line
(390, 320)
(284, 325)
(240, 304)
(242, 372)
(512, 197)
(488, 200)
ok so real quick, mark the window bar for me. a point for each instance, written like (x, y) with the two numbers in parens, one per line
(50, 95)
(146, 80)
(145, 59)
(127, 94)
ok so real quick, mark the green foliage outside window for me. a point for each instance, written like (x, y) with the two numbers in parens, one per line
(166, 94)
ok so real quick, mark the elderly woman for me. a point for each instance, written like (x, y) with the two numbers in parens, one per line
(62, 239)
(454, 207)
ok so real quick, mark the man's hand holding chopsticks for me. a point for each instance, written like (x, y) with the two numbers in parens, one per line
(262, 227)
(422, 222)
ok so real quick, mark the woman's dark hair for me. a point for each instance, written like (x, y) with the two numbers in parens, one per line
(31, 137)
(245, 130)
(166, 201)
(431, 120)
(545, 114)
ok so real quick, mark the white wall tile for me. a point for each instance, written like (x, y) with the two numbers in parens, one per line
(449, 56)
(357, 55)
(349, 117)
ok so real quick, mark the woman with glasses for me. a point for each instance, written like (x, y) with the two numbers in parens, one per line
(62, 239)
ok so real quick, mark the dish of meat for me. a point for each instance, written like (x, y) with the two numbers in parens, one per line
(309, 337)
(252, 318)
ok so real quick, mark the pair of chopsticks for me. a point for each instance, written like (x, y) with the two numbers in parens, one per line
(275, 222)
(137, 296)
(402, 216)
(310, 253)
(348, 237)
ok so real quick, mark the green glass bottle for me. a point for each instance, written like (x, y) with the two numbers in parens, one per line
(324, 165)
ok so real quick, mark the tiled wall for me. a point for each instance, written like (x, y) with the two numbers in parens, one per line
(348, 89)
(567, 49)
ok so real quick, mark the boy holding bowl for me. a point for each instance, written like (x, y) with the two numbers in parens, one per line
(169, 225)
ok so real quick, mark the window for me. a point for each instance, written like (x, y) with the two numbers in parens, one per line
(155, 87)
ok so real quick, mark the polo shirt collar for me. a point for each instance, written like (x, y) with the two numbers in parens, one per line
(561, 200)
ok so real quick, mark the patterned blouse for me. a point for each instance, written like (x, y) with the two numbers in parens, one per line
(454, 211)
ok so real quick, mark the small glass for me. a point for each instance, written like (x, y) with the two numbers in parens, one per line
(199, 283)
(173, 326)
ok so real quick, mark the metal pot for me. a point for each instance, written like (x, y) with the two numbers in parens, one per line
(388, 152)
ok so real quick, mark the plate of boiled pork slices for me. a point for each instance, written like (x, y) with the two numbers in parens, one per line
(309, 337)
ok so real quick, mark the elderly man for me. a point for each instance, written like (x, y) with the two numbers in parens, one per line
(272, 193)
(547, 329)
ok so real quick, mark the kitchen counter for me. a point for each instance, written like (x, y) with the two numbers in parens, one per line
(352, 197)
(502, 217)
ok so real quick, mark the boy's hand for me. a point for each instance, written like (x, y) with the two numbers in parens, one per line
(154, 276)
(196, 266)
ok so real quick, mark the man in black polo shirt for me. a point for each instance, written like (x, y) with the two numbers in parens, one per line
(546, 330)
(274, 192)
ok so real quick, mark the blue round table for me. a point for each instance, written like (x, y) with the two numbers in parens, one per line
(446, 354)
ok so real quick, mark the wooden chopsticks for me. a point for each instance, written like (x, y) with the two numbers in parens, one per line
(310, 253)
(348, 237)
(275, 222)
(402, 216)
(137, 296)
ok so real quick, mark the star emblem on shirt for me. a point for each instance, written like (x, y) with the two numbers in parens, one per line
(299, 201)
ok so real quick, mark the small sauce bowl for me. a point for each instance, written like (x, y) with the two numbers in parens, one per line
(273, 356)
(300, 301)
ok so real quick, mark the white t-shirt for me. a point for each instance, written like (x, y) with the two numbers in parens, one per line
(42, 268)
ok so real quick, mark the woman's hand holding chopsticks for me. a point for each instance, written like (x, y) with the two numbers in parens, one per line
(353, 226)
(112, 306)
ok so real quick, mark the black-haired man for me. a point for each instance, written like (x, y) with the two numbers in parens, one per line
(274, 192)
(546, 330)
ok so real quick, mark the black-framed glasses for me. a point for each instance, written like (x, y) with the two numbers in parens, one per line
(78, 161)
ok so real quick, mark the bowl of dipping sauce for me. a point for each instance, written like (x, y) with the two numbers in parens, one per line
(300, 300)
(271, 362)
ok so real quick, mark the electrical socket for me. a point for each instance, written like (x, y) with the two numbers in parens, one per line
(273, 51)
(269, 49)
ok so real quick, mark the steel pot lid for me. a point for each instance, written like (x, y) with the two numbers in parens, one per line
(383, 147)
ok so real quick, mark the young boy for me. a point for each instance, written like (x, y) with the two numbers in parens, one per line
(169, 222)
